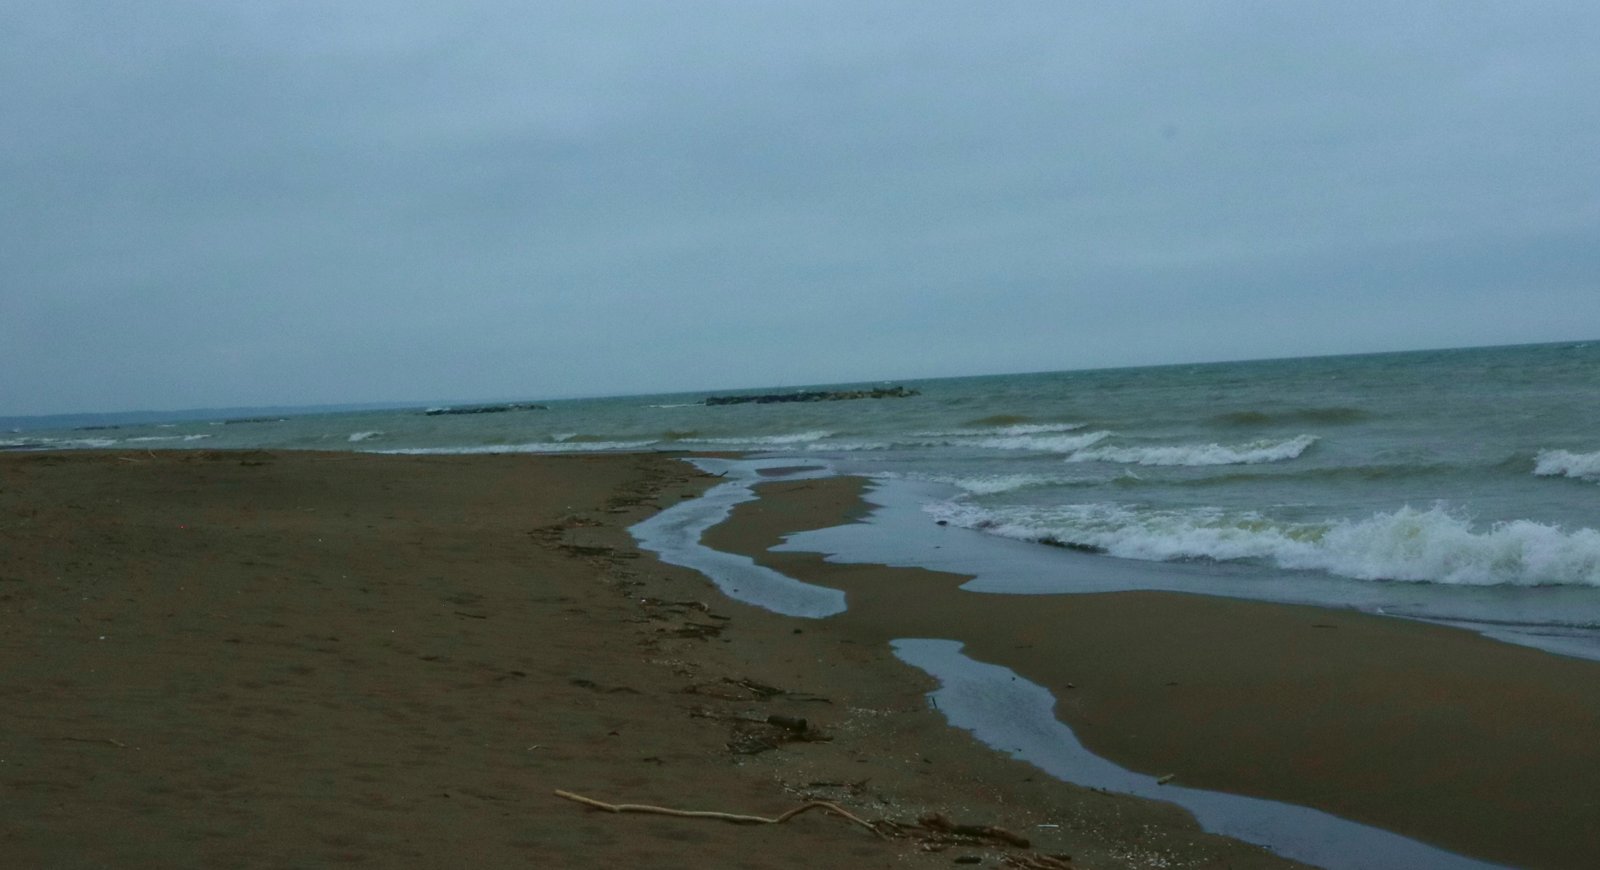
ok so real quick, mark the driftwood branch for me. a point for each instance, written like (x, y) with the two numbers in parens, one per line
(114, 742)
(735, 818)
(937, 822)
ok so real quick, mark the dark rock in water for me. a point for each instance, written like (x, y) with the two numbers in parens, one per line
(1074, 546)
(485, 409)
(816, 396)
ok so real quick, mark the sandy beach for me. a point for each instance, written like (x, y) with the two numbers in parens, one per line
(283, 659)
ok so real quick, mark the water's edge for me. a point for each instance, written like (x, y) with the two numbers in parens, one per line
(1001, 709)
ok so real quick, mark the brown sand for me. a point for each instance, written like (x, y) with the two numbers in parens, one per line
(295, 659)
(1439, 734)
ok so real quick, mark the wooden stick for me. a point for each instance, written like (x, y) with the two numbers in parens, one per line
(735, 818)
(114, 742)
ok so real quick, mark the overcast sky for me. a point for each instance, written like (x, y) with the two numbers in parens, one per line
(225, 204)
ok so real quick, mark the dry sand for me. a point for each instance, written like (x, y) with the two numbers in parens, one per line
(1440, 734)
(213, 659)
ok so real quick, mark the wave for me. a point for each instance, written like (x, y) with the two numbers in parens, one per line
(994, 484)
(1324, 474)
(1433, 546)
(1000, 420)
(574, 442)
(1039, 439)
(364, 436)
(45, 443)
(148, 438)
(771, 440)
(572, 446)
(1004, 431)
(1564, 463)
(1039, 443)
(1326, 416)
(859, 446)
(1200, 454)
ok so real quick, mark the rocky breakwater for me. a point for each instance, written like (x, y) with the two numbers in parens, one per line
(485, 409)
(814, 396)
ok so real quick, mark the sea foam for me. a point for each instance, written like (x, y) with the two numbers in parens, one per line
(1434, 545)
(1563, 463)
(1252, 453)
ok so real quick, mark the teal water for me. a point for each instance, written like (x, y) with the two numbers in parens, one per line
(1454, 470)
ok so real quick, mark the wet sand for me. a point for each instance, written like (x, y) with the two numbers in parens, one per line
(214, 659)
(1439, 734)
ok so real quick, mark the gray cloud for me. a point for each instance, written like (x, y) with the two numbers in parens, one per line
(211, 205)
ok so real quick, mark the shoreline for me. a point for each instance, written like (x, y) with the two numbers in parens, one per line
(1437, 733)
(281, 658)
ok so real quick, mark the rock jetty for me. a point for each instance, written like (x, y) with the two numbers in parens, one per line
(485, 409)
(816, 396)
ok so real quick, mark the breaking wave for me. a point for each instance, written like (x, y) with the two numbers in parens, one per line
(1200, 454)
(47, 443)
(149, 438)
(1563, 463)
(364, 436)
(787, 439)
(1433, 546)
(1034, 438)
(43, 443)
(998, 483)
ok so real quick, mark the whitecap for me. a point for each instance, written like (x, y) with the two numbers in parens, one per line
(1564, 463)
(1002, 431)
(148, 438)
(784, 439)
(1252, 453)
(1434, 545)
(364, 436)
